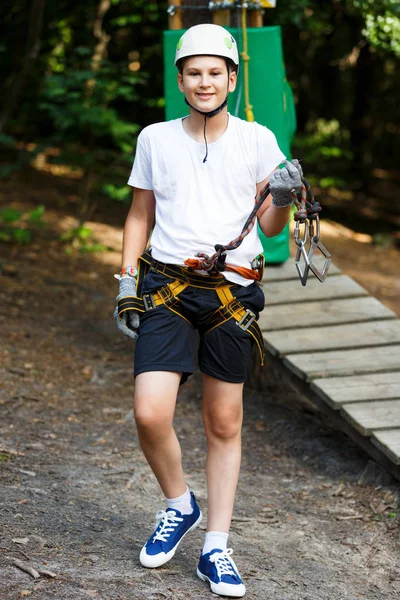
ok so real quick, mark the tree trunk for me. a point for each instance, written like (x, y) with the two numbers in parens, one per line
(31, 54)
(88, 207)
(102, 37)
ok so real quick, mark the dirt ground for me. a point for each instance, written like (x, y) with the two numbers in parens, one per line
(315, 519)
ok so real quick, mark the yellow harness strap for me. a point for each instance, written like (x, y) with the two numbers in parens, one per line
(168, 296)
(233, 309)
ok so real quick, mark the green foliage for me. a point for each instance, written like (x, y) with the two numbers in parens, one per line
(80, 103)
(4, 457)
(10, 215)
(17, 226)
(382, 23)
(81, 238)
(35, 216)
(16, 158)
(325, 142)
(383, 32)
(118, 193)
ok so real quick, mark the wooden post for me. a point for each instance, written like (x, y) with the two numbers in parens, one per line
(175, 20)
(222, 17)
(255, 18)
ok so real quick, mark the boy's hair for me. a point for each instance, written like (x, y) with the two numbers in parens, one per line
(230, 65)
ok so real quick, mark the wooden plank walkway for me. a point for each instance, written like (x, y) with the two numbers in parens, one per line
(341, 347)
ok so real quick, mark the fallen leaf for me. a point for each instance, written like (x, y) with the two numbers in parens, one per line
(23, 541)
(339, 490)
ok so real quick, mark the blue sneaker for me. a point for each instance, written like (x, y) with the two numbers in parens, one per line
(171, 528)
(217, 567)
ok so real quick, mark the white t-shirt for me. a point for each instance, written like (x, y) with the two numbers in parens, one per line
(201, 204)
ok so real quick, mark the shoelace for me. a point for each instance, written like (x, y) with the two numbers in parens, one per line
(224, 563)
(166, 522)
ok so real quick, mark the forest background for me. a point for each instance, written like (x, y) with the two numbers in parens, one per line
(80, 80)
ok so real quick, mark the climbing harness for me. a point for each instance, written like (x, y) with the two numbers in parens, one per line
(168, 296)
(307, 215)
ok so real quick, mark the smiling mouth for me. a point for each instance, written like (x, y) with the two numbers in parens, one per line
(204, 96)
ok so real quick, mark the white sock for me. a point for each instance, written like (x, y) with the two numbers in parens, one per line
(215, 539)
(181, 503)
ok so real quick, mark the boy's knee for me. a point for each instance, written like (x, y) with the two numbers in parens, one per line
(225, 427)
(151, 420)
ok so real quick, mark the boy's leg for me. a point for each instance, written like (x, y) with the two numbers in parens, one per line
(222, 418)
(154, 406)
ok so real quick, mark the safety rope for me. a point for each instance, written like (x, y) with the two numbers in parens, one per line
(248, 109)
(307, 206)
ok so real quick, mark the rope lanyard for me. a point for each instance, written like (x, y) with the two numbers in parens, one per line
(307, 214)
(216, 262)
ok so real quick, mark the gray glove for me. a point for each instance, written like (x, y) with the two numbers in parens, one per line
(283, 181)
(128, 324)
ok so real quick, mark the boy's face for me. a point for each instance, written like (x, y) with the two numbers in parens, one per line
(205, 81)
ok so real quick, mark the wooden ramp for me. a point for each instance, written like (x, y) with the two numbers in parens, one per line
(342, 349)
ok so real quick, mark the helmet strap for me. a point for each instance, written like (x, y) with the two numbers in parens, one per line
(209, 114)
(212, 113)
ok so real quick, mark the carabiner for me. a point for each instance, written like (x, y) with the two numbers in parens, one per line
(301, 252)
(296, 234)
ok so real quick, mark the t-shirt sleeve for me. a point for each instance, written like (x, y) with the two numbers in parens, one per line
(141, 175)
(268, 153)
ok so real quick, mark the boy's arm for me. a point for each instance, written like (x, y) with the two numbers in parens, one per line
(272, 219)
(138, 226)
(275, 210)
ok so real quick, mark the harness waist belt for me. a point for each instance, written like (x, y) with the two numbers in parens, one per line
(167, 296)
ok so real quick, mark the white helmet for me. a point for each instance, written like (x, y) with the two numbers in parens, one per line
(207, 39)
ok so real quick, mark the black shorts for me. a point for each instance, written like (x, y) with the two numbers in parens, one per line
(167, 342)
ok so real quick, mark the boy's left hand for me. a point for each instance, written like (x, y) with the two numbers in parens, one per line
(283, 181)
(128, 324)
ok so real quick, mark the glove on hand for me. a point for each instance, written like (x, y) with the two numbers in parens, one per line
(128, 324)
(283, 181)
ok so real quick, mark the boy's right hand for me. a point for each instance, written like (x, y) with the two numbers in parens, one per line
(283, 181)
(128, 322)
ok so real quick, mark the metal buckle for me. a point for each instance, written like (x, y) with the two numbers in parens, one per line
(154, 265)
(148, 301)
(246, 320)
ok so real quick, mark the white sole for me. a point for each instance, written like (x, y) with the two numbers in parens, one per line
(223, 589)
(152, 562)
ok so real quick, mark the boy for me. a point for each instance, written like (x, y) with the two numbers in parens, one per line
(197, 178)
